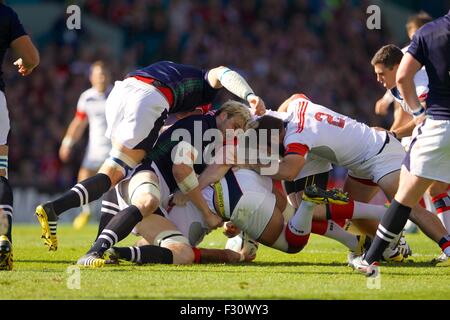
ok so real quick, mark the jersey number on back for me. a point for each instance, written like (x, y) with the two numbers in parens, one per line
(338, 122)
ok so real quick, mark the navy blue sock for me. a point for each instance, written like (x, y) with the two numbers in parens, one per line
(117, 229)
(82, 193)
(391, 225)
(6, 205)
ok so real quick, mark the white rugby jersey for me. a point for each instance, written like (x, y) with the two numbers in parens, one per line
(91, 105)
(421, 84)
(337, 138)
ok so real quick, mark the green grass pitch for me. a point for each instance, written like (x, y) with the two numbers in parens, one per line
(318, 272)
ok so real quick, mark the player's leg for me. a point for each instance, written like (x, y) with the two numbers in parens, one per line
(110, 207)
(357, 244)
(410, 190)
(83, 218)
(112, 171)
(135, 113)
(362, 191)
(424, 159)
(143, 195)
(438, 192)
(6, 194)
(6, 211)
(156, 230)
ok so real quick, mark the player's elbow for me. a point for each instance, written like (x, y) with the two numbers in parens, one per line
(288, 176)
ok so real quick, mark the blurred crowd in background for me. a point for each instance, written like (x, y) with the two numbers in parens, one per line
(320, 48)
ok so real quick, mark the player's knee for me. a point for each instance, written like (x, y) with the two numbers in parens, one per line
(182, 253)
(119, 162)
(145, 196)
(295, 249)
(437, 188)
(146, 202)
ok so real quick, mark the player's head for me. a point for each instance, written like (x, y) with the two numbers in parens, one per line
(99, 76)
(270, 127)
(232, 115)
(416, 21)
(385, 64)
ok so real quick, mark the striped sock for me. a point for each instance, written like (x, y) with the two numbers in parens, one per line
(442, 205)
(389, 229)
(6, 208)
(444, 243)
(108, 211)
(332, 230)
(145, 254)
(117, 229)
(83, 193)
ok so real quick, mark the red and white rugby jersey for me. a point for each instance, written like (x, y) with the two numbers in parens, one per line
(91, 105)
(330, 135)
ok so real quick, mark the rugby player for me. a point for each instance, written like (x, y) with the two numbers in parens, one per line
(14, 36)
(367, 153)
(135, 112)
(428, 157)
(90, 112)
(178, 156)
(386, 62)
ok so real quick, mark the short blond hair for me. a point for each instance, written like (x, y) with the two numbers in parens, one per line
(235, 109)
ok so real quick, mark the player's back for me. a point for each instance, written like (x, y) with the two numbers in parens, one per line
(190, 86)
(331, 135)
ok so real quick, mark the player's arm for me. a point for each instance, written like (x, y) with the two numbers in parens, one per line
(382, 105)
(28, 55)
(212, 173)
(232, 81)
(405, 83)
(403, 122)
(187, 181)
(288, 168)
(73, 135)
(224, 256)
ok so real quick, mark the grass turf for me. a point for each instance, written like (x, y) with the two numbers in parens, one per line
(318, 272)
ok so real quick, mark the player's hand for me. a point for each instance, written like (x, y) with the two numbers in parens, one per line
(230, 230)
(418, 120)
(257, 103)
(382, 107)
(64, 153)
(213, 221)
(23, 69)
(179, 199)
(246, 256)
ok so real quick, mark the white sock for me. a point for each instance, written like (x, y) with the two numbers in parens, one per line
(301, 222)
(335, 232)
